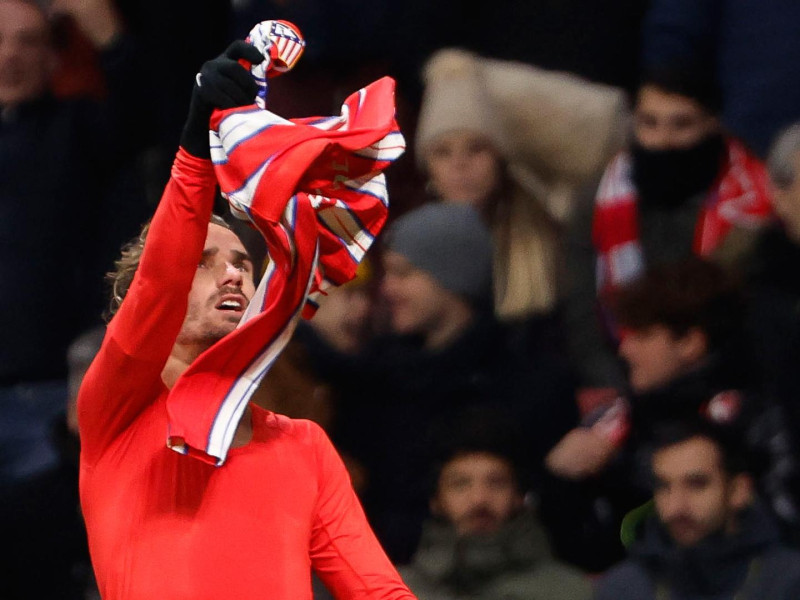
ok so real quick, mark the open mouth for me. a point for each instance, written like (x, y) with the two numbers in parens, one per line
(236, 304)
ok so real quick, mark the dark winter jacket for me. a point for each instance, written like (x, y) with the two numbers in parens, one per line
(751, 563)
(63, 214)
(513, 564)
(400, 405)
(773, 286)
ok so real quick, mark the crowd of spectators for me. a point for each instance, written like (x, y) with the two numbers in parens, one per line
(570, 365)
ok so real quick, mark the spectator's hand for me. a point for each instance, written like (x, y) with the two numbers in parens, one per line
(98, 19)
(580, 454)
(221, 83)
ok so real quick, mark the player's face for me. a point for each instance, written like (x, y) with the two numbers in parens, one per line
(665, 121)
(477, 493)
(464, 167)
(221, 290)
(416, 301)
(693, 494)
(26, 57)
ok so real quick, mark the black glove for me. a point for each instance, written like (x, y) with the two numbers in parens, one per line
(221, 83)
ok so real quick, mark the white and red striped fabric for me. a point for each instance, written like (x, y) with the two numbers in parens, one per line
(313, 187)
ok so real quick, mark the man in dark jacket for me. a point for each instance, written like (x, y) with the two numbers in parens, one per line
(67, 200)
(447, 355)
(683, 188)
(709, 537)
(483, 542)
(59, 224)
(773, 283)
(687, 353)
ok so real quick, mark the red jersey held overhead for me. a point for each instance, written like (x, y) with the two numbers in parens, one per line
(165, 525)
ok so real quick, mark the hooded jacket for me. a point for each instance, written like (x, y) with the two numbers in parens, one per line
(514, 563)
(750, 564)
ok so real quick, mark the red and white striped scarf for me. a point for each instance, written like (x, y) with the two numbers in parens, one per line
(313, 188)
(738, 197)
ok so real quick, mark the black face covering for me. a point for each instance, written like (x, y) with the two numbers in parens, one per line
(670, 177)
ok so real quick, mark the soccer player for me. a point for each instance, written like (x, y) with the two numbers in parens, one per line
(165, 525)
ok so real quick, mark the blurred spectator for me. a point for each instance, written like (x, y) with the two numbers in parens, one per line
(59, 223)
(682, 327)
(447, 354)
(343, 317)
(61, 220)
(438, 273)
(680, 320)
(682, 188)
(709, 537)
(684, 343)
(506, 138)
(773, 282)
(483, 542)
(752, 50)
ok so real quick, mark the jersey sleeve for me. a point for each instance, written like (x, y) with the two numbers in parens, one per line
(125, 376)
(344, 551)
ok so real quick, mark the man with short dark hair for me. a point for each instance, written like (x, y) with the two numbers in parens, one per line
(483, 542)
(681, 328)
(684, 342)
(709, 537)
(681, 319)
(446, 354)
(58, 157)
(682, 188)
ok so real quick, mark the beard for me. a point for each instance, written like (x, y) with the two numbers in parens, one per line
(205, 326)
(670, 177)
(480, 520)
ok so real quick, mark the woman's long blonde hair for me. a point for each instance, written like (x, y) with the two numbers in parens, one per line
(527, 240)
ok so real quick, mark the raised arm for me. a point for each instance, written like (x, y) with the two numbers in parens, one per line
(125, 377)
(344, 551)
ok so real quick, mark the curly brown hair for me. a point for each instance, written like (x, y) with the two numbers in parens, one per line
(126, 265)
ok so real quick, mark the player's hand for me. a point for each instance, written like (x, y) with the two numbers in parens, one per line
(221, 83)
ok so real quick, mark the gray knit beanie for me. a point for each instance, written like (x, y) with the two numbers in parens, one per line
(451, 243)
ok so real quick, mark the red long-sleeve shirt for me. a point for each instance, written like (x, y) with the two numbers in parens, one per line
(163, 525)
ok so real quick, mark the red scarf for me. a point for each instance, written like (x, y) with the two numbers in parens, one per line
(314, 189)
(738, 198)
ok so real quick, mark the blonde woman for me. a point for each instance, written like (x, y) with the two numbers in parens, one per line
(492, 134)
